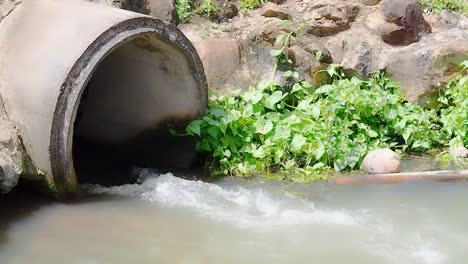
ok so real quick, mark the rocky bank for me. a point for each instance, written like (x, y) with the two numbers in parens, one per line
(419, 50)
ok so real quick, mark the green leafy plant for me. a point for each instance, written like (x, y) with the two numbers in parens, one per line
(281, 54)
(300, 132)
(251, 4)
(208, 8)
(439, 5)
(454, 104)
(183, 10)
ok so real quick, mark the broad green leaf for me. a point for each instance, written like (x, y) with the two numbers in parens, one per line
(288, 74)
(194, 128)
(285, 22)
(262, 85)
(273, 99)
(324, 89)
(276, 52)
(213, 131)
(296, 87)
(279, 38)
(372, 133)
(297, 142)
(263, 126)
(319, 151)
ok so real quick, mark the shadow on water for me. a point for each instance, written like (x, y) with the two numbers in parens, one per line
(25, 200)
(19, 204)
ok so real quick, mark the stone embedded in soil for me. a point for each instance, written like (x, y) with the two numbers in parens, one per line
(330, 19)
(370, 2)
(273, 10)
(381, 161)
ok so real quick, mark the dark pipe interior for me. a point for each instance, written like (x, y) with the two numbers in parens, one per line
(124, 112)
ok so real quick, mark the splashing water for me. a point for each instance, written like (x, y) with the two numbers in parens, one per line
(239, 205)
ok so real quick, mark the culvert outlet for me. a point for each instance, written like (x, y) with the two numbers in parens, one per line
(91, 89)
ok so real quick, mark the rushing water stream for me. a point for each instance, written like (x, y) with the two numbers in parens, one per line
(166, 219)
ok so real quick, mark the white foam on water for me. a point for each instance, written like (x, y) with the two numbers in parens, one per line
(231, 204)
(255, 207)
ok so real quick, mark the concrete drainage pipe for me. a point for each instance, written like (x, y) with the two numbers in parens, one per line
(89, 87)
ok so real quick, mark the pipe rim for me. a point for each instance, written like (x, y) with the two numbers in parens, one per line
(61, 140)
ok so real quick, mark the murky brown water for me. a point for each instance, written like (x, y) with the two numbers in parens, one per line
(166, 219)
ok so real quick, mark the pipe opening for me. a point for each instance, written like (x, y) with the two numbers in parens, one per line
(122, 119)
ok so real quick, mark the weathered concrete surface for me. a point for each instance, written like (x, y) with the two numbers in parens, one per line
(133, 72)
(7, 6)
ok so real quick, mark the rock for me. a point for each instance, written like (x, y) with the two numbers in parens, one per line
(370, 2)
(227, 10)
(460, 152)
(357, 50)
(8, 173)
(424, 68)
(319, 50)
(421, 69)
(162, 9)
(330, 20)
(447, 20)
(273, 10)
(359, 60)
(299, 56)
(348, 33)
(381, 161)
(220, 58)
(409, 24)
(277, 1)
(305, 63)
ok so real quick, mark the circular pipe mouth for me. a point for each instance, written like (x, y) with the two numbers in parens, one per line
(117, 100)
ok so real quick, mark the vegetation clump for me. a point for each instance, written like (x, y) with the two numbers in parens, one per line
(439, 5)
(300, 131)
(183, 10)
(454, 108)
(208, 8)
(250, 4)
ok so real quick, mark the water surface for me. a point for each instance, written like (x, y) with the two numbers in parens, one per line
(166, 219)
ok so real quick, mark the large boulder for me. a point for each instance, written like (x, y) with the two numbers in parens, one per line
(381, 161)
(220, 58)
(424, 68)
